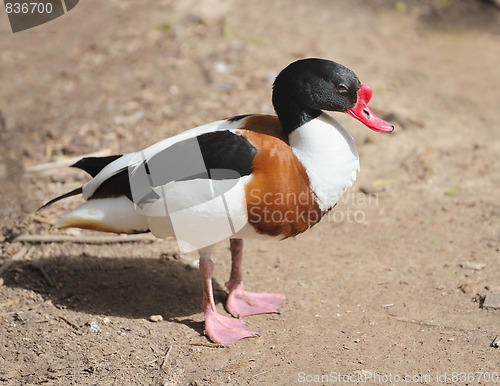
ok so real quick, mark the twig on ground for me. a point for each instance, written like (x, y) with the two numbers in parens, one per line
(432, 325)
(50, 281)
(84, 239)
(22, 253)
(64, 162)
(35, 218)
(69, 323)
(167, 353)
(207, 344)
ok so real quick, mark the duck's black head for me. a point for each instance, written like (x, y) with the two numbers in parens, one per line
(307, 86)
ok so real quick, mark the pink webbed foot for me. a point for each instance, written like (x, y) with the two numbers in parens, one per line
(241, 303)
(223, 330)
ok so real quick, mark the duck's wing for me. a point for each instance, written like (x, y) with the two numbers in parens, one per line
(191, 186)
(214, 151)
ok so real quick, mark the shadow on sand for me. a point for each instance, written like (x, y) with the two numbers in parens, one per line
(127, 287)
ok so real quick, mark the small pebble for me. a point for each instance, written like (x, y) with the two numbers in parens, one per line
(492, 300)
(156, 318)
(94, 327)
(221, 67)
(475, 266)
(173, 89)
(23, 316)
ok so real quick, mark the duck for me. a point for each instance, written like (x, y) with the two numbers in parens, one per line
(249, 176)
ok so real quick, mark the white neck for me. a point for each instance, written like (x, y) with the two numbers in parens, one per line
(330, 156)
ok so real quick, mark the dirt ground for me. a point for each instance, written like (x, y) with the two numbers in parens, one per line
(391, 285)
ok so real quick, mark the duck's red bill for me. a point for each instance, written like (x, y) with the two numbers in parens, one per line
(362, 112)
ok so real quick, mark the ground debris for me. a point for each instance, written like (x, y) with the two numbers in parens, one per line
(94, 327)
(64, 162)
(24, 316)
(156, 318)
(476, 266)
(69, 323)
(23, 253)
(237, 366)
(492, 300)
(85, 239)
(207, 344)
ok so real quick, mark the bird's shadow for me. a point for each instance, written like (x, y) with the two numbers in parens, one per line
(127, 287)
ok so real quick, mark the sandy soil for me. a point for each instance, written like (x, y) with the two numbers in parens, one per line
(380, 287)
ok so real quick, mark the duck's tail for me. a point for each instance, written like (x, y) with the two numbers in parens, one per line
(114, 214)
(65, 195)
(92, 165)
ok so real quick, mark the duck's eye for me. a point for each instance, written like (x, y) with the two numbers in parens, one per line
(341, 88)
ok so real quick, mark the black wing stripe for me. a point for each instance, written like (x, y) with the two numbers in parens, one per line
(66, 195)
(220, 150)
(93, 165)
(239, 117)
(226, 150)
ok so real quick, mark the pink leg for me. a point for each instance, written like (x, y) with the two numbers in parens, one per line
(219, 329)
(242, 303)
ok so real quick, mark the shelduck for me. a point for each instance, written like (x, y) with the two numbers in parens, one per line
(249, 176)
